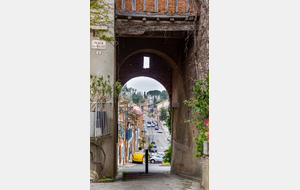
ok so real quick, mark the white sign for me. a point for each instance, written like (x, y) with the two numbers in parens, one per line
(98, 44)
(98, 52)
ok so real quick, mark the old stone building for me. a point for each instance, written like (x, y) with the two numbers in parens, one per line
(173, 34)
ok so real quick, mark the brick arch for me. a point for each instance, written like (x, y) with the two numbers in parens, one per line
(161, 67)
(153, 51)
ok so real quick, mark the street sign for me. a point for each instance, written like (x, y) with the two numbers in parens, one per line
(98, 44)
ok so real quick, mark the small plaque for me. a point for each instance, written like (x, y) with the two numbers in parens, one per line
(98, 52)
(98, 44)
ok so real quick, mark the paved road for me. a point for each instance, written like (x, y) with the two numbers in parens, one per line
(141, 168)
(150, 181)
(160, 139)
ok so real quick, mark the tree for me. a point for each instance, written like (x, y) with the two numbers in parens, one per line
(164, 95)
(163, 114)
(100, 90)
(136, 98)
(126, 92)
(154, 93)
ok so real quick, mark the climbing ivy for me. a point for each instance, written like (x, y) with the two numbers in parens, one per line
(99, 16)
(200, 112)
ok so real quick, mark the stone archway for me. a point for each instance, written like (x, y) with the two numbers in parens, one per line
(172, 67)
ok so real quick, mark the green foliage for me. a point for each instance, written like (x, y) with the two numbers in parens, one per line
(99, 16)
(124, 173)
(157, 101)
(126, 92)
(154, 93)
(163, 114)
(164, 95)
(169, 121)
(100, 89)
(167, 157)
(106, 176)
(136, 98)
(104, 37)
(150, 146)
(200, 111)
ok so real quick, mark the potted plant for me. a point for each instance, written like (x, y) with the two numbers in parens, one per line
(100, 93)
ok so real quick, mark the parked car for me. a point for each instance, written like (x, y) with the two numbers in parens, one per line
(152, 125)
(169, 138)
(149, 121)
(161, 153)
(149, 125)
(137, 157)
(153, 149)
(156, 127)
(159, 131)
(155, 158)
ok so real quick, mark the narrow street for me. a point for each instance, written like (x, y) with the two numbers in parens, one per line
(160, 139)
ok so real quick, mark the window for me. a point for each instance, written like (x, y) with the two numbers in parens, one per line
(146, 63)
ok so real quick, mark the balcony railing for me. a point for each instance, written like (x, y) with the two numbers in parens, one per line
(100, 116)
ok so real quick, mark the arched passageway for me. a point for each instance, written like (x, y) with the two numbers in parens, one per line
(172, 64)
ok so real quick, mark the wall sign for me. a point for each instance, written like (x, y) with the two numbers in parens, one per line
(98, 44)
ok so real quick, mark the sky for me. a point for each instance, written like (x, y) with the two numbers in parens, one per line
(145, 84)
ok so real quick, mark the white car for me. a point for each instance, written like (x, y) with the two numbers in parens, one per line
(162, 154)
(155, 158)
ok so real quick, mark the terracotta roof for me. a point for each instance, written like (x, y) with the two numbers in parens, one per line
(163, 101)
(137, 112)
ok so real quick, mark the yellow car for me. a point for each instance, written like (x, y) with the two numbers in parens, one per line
(137, 157)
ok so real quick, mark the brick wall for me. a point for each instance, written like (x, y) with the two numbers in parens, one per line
(161, 5)
(150, 5)
(118, 4)
(139, 5)
(128, 5)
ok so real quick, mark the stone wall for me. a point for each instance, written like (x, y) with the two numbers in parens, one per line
(203, 39)
(104, 64)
